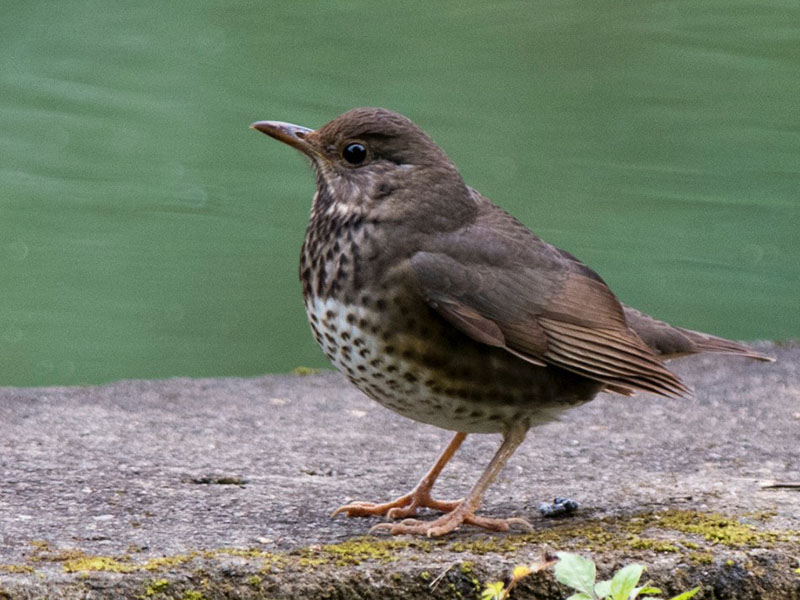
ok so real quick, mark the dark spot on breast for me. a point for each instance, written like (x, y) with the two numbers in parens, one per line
(358, 342)
(410, 377)
(388, 349)
(345, 336)
(329, 314)
(391, 368)
(364, 352)
(322, 278)
(381, 304)
(351, 318)
(365, 300)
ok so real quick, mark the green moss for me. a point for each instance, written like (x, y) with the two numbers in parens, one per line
(484, 545)
(358, 550)
(304, 371)
(701, 558)
(167, 562)
(97, 563)
(640, 543)
(466, 569)
(241, 552)
(717, 528)
(254, 581)
(157, 586)
(16, 569)
(193, 595)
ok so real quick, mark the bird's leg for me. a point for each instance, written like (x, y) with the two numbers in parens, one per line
(464, 512)
(419, 497)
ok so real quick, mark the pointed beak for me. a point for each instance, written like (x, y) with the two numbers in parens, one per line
(288, 133)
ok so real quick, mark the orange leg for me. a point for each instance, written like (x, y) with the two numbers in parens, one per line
(464, 512)
(419, 497)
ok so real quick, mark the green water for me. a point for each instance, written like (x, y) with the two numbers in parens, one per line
(146, 232)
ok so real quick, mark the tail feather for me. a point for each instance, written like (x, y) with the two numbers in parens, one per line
(703, 342)
(669, 342)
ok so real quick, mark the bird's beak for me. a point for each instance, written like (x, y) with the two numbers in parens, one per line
(288, 133)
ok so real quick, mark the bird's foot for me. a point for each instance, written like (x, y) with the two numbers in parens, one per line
(402, 507)
(450, 522)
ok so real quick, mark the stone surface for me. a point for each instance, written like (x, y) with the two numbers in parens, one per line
(222, 488)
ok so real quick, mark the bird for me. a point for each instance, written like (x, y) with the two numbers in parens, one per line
(443, 307)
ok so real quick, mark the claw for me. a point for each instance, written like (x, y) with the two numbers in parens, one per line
(450, 522)
(402, 507)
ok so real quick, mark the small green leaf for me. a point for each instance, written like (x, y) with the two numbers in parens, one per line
(493, 591)
(647, 589)
(603, 588)
(625, 580)
(686, 595)
(575, 571)
(580, 596)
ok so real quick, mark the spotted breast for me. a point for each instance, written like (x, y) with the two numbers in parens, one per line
(373, 325)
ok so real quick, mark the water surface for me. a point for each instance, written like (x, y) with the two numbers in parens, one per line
(146, 232)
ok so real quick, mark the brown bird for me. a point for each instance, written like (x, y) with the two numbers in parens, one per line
(441, 306)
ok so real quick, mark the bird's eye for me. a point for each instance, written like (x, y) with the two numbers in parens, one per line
(354, 153)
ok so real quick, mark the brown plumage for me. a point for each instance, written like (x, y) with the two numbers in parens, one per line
(445, 308)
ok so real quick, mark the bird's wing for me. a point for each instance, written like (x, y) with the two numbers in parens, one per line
(511, 290)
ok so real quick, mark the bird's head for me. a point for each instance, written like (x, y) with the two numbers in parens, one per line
(377, 162)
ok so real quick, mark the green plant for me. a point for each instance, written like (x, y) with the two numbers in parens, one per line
(581, 575)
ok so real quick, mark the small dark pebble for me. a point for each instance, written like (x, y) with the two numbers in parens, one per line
(559, 508)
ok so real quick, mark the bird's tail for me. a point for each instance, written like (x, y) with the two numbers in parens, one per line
(668, 341)
(704, 342)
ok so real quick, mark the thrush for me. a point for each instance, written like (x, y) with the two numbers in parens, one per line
(446, 309)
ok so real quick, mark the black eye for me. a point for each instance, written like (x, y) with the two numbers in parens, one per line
(355, 154)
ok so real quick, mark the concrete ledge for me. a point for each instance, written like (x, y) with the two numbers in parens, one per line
(222, 488)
